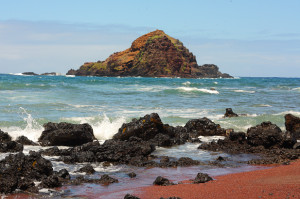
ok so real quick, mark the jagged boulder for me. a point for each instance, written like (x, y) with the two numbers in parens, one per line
(10, 146)
(4, 137)
(25, 141)
(146, 128)
(204, 127)
(292, 124)
(19, 171)
(265, 134)
(66, 134)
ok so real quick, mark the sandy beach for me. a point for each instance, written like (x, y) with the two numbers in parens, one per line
(281, 181)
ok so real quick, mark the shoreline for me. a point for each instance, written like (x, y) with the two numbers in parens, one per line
(280, 181)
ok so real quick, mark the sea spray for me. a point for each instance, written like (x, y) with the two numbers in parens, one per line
(32, 128)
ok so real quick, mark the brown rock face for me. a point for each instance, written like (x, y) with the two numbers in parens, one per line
(155, 54)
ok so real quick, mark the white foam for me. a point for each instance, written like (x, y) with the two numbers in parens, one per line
(186, 83)
(243, 91)
(104, 127)
(296, 89)
(32, 130)
(203, 90)
(215, 82)
(70, 75)
(289, 112)
(210, 138)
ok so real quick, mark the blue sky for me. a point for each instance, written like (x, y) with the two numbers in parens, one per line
(244, 38)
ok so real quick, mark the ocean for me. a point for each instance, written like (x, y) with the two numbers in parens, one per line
(27, 102)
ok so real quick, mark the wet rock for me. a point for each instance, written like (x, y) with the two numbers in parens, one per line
(237, 136)
(296, 146)
(220, 158)
(63, 173)
(288, 140)
(4, 137)
(204, 127)
(106, 179)
(146, 128)
(161, 181)
(162, 140)
(179, 135)
(20, 170)
(132, 175)
(8, 181)
(10, 146)
(186, 161)
(50, 182)
(266, 134)
(164, 159)
(24, 184)
(25, 141)
(88, 169)
(133, 151)
(230, 113)
(128, 196)
(53, 151)
(66, 134)
(292, 124)
(202, 178)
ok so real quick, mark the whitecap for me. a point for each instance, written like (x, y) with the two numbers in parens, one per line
(262, 105)
(186, 83)
(296, 89)
(191, 89)
(70, 75)
(243, 91)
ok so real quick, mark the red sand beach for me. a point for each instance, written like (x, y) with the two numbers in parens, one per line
(280, 182)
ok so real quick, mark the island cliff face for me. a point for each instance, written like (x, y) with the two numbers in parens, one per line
(155, 54)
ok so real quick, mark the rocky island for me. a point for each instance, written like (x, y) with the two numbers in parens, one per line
(155, 54)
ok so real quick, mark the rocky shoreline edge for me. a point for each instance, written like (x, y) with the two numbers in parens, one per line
(132, 145)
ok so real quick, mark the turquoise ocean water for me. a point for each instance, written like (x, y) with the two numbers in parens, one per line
(27, 102)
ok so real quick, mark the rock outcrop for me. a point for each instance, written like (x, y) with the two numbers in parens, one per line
(292, 124)
(155, 54)
(66, 134)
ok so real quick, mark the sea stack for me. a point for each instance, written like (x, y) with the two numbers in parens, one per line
(155, 54)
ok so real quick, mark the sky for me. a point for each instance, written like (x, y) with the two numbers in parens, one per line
(257, 38)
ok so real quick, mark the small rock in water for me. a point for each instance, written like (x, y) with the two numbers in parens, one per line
(132, 175)
(230, 113)
(161, 181)
(106, 179)
(63, 173)
(129, 196)
(88, 169)
(164, 159)
(202, 178)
